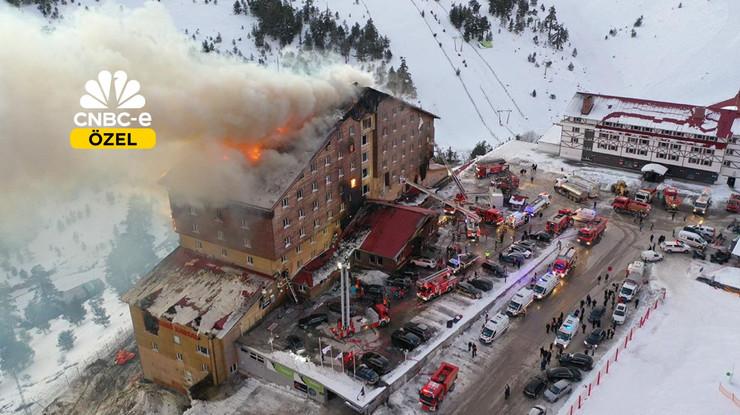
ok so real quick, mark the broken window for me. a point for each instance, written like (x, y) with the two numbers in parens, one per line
(151, 323)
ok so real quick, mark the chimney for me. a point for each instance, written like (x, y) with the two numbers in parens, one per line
(698, 114)
(588, 104)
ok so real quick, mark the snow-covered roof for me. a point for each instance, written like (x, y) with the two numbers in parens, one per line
(710, 121)
(552, 135)
(206, 295)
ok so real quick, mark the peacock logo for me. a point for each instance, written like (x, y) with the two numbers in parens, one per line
(106, 122)
(126, 92)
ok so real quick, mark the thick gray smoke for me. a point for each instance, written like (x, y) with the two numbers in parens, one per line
(196, 100)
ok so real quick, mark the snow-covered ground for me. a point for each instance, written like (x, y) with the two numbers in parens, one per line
(680, 54)
(74, 264)
(676, 363)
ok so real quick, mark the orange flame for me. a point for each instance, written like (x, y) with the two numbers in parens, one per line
(250, 151)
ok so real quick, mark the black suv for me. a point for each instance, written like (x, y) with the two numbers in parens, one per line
(366, 374)
(481, 284)
(568, 373)
(405, 340)
(421, 330)
(377, 362)
(577, 360)
(541, 236)
(595, 337)
(312, 320)
(596, 314)
(494, 268)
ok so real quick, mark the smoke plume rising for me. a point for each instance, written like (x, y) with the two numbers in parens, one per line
(196, 100)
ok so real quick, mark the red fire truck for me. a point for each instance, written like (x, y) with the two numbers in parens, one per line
(440, 384)
(623, 204)
(558, 223)
(591, 234)
(565, 262)
(490, 216)
(433, 286)
(671, 199)
(484, 169)
(733, 203)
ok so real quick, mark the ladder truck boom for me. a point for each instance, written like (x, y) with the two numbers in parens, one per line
(466, 212)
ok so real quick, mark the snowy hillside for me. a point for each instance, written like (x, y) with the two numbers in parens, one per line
(679, 54)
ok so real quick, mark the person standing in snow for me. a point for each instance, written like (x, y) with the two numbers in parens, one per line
(547, 328)
(507, 392)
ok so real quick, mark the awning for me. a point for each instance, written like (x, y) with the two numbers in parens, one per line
(655, 168)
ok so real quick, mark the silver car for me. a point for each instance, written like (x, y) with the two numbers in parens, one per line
(557, 390)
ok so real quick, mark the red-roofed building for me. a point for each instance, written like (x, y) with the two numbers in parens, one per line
(396, 232)
(693, 142)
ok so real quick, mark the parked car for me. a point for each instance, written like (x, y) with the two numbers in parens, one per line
(526, 252)
(374, 290)
(377, 362)
(620, 313)
(557, 390)
(481, 284)
(312, 320)
(531, 245)
(421, 330)
(674, 246)
(366, 374)
(538, 410)
(510, 257)
(535, 385)
(494, 268)
(651, 256)
(706, 232)
(405, 340)
(720, 257)
(595, 337)
(577, 360)
(424, 262)
(698, 254)
(294, 344)
(596, 313)
(541, 236)
(399, 281)
(568, 373)
(469, 290)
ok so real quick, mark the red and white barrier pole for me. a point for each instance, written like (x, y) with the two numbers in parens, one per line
(571, 410)
(626, 339)
(616, 357)
(607, 366)
(655, 307)
(632, 330)
(589, 389)
(598, 378)
(579, 401)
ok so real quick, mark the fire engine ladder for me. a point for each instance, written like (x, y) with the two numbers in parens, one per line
(452, 174)
(468, 213)
(286, 281)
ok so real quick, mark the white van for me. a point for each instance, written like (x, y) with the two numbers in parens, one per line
(544, 285)
(635, 270)
(567, 331)
(629, 290)
(520, 301)
(692, 239)
(494, 328)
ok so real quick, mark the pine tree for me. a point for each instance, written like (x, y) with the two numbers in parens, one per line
(638, 22)
(66, 340)
(481, 148)
(237, 7)
(571, 66)
(534, 93)
(575, 52)
(406, 84)
(100, 316)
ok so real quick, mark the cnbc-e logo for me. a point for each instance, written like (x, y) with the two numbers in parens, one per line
(113, 116)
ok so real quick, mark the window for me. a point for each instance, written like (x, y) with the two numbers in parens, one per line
(286, 222)
(195, 228)
(232, 368)
(220, 215)
(301, 213)
(315, 205)
(339, 154)
(250, 260)
(245, 224)
(201, 349)
(342, 207)
(204, 367)
(246, 243)
(283, 259)
(315, 187)
(576, 129)
(188, 376)
(358, 255)
(331, 214)
(351, 147)
(385, 131)
(224, 252)
(352, 165)
(285, 202)
(286, 241)
(365, 189)
(341, 172)
(193, 211)
(574, 140)
(178, 356)
(327, 161)
(328, 196)
(364, 172)
(220, 235)
(367, 123)
(726, 163)
(351, 130)
(312, 240)
(302, 232)
(199, 244)
(364, 157)
(363, 140)
(155, 347)
(316, 223)
(176, 339)
(299, 194)
(313, 166)
(298, 249)
(328, 179)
